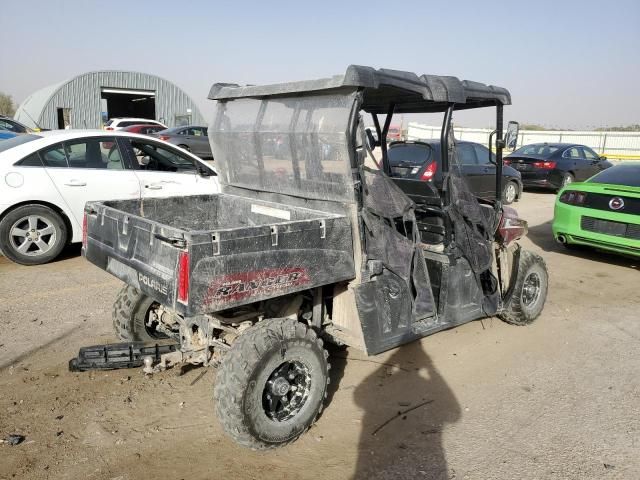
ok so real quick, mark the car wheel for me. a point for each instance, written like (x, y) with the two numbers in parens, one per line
(510, 193)
(567, 178)
(184, 147)
(32, 235)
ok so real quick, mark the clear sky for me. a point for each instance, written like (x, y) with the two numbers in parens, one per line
(573, 64)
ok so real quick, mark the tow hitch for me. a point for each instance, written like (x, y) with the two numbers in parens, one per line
(119, 355)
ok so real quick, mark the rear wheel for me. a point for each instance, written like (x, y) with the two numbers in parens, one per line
(32, 235)
(510, 193)
(567, 178)
(132, 321)
(529, 292)
(271, 384)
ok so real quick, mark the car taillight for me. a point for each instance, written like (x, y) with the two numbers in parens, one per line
(183, 277)
(84, 231)
(571, 197)
(545, 165)
(511, 226)
(108, 128)
(163, 137)
(429, 172)
(506, 161)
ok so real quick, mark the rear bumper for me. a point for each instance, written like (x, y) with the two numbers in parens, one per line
(542, 179)
(567, 222)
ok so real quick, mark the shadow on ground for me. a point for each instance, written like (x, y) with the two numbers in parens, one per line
(406, 406)
(542, 236)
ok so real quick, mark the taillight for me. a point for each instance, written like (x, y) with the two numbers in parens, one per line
(571, 197)
(108, 128)
(163, 137)
(429, 172)
(511, 226)
(183, 277)
(506, 161)
(84, 231)
(545, 165)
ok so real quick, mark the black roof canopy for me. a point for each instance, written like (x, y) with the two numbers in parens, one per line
(410, 92)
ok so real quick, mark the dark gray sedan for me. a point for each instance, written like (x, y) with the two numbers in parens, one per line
(192, 138)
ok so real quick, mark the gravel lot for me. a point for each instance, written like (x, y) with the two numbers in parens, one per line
(559, 399)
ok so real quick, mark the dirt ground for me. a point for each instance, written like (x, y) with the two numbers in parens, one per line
(559, 399)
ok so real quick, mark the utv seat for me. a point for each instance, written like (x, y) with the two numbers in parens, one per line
(429, 213)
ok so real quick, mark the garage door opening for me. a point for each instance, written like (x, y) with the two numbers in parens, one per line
(129, 103)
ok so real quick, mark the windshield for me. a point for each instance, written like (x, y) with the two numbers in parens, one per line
(414, 154)
(538, 149)
(297, 145)
(628, 175)
(15, 141)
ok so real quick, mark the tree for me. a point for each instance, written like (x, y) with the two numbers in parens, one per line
(6, 105)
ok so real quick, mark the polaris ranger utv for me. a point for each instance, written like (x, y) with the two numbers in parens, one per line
(306, 244)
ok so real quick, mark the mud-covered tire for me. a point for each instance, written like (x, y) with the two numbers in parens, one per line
(244, 374)
(129, 316)
(530, 290)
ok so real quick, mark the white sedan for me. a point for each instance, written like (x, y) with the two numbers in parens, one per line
(46, 179)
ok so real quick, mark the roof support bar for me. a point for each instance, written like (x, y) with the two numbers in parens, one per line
(383, 139)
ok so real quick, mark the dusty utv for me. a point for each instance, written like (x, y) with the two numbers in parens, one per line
(305, 244)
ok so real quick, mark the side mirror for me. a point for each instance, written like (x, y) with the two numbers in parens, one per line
(511, 137)
(602, 158)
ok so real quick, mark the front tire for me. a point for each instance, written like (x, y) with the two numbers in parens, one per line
(530, 290)
(32, 235)
(510, 193)
(271, 385)
(131, 317)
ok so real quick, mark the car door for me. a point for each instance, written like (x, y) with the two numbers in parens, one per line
(471, 171)
(486, 172)
(200, 141)
(89, 169)
(576, 163)
(593, 161)
(165, 171)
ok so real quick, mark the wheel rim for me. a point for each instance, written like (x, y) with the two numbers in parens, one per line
(33, 235)
(151, 322)
(510, 193)
(531, 289)
(286, 391)
(567, 180)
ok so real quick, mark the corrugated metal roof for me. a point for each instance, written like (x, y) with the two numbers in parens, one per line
(82, 95)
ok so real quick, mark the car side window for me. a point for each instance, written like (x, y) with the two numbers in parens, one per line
(152, 157)
(100, 153)
(574, 153)
(483, 154)
(32, 160)
(182, 132)
(4, 125)
(589, 154)
(466, 154)
(54, 156)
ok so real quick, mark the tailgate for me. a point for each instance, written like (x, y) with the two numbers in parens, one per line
(139, 251)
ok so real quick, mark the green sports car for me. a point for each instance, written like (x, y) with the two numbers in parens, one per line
(602, 212)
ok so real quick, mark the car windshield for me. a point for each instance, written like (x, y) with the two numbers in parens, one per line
(409, 154)
(627, 175)
(15, 141)
(539, 149)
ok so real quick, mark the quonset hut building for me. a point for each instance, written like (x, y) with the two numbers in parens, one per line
(90, 99)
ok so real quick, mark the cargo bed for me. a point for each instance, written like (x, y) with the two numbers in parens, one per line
(206, 253)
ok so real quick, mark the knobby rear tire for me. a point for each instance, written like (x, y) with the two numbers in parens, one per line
(241, 382)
